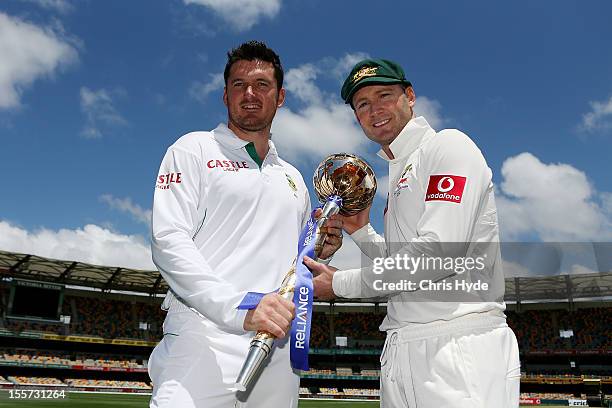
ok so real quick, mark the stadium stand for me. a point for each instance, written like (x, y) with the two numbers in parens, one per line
(36, 381)
(361, 392)
(305, 391)
(84, 383)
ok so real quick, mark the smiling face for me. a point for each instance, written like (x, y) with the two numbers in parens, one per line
(252, 96)
(383, 111)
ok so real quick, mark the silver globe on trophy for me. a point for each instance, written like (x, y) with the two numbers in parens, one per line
(342, 175)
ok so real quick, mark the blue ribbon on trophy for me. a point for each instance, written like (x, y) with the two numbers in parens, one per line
(302, 294)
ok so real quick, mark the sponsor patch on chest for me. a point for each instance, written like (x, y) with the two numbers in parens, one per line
(227, 165)
(445, 187)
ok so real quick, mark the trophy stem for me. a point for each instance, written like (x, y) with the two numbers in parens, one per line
(330, 208)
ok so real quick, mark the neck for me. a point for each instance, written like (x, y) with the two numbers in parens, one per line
(387, 150)
(258, 137)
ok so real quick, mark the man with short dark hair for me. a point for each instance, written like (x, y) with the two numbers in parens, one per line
(447, 346)
(227, 215)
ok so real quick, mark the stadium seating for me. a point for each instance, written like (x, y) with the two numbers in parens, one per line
(535, 329)
(361, 392)
(539, 329)
(50, 357)
(36, 381)
(78, 382)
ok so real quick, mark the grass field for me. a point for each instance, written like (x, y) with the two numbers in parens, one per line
(78, 400)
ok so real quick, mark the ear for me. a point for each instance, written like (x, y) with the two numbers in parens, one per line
(225, 95)
(411, 96)
(281, 98)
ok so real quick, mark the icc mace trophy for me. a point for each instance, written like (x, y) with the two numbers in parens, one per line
(340, 175)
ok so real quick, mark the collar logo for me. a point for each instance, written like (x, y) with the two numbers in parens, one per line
(364, 72)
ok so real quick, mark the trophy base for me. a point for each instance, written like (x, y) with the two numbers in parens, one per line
(258, 352)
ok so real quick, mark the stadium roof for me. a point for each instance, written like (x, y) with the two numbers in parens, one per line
(37, 268)
(32, 267)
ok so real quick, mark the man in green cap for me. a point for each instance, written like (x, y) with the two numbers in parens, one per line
(447, 345)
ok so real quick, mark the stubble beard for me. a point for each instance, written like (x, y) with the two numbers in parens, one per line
(250, 125)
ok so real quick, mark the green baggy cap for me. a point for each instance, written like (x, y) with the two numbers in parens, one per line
(372, 72)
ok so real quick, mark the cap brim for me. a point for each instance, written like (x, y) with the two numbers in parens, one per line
(374, 81)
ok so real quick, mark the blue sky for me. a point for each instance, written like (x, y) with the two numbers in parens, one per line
(93, 92)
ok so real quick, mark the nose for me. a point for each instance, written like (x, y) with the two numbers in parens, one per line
(249, 90)
(375, 108)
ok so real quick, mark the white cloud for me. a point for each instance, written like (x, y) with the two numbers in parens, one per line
(554, 201)
(29, 53)
(600, 116)
(300, 82)
(61, 6)
(340, 68)
(91, 244)
(382, 186)
(316, 131)
(100, 111)
(430, 109)
(514, 269)
(200, 90)
(349, 256)
(241, 14)
(606, 199)
(324, 124)
(126, 205)
(580, 269)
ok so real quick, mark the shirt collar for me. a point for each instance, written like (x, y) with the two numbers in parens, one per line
(228, 138)
(409, 139)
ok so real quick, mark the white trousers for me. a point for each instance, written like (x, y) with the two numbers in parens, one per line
(196, 364)
(470, 362)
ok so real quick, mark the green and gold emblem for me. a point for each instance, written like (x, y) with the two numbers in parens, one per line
(291, 183)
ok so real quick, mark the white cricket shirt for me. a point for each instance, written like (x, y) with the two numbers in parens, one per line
(224, 226)
(440, 191)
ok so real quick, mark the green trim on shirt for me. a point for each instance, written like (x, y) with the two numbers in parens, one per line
(250, 148)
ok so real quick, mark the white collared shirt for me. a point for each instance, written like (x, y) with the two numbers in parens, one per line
(222, 226)
(421, 210)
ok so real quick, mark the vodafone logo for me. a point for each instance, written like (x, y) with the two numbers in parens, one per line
(445, 187)
(449, 181)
